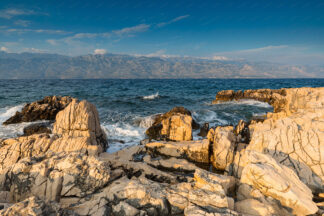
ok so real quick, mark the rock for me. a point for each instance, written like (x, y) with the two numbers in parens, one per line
(37, 207)
(4, 196)
(45, 109)
(171, 164)
(242, 132)
(174, 125)
(194, 210)
(80, 119)
(204, 130)
(141, 194)
(130, 160)
(253, 207)
(196, 151)
(295, 141)
(287, 101)
(37, 128)
(123, 208)
(180, 196)
(293, 134)
(277, 181)
(224, 142)
(203, 177)
(55, 176)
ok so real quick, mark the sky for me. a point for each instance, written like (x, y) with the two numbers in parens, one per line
(282, 31)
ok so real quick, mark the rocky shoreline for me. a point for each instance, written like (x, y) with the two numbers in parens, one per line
(268, 166)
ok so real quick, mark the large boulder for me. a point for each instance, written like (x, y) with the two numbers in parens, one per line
(80, 119)
(175, 125)
(45, 109)
(223, 144)
(277, 181)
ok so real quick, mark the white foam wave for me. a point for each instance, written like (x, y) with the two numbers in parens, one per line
(121, 135)
(151, 97)
(252, 103)
(7, 112)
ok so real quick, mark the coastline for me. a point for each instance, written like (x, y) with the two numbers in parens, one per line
(269, 166)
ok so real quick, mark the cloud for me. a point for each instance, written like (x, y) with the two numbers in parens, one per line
(13, 12)
(40, 31)
(262, 49)
(52, 42)
(100, 51)
(4, 49)
(128, 31)
(131, 30)
(220, 58)
(34, 50)
(172, 21)
(23, 23)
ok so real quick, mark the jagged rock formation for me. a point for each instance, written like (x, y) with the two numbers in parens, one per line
(264, 168)
(79, 132)
(45, 109)
(175, 125)
(293, 134)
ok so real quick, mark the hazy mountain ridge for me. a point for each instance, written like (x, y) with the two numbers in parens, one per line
(47, 66)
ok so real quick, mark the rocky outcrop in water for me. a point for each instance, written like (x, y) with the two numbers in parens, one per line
(270, 167)
(175, 125)
(45, 109)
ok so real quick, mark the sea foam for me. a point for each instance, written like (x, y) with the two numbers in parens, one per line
(151, 97)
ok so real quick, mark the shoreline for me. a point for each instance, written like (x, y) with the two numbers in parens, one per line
(271, 166)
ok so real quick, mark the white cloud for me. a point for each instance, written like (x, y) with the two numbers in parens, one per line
(52, 42)
(128, 31)
(100, 51)
(133, 29)
(40, 31)
(261, 49)
(34, 50)
(220, 58)
(23, 23)
(4, 49)
(172, 21)
(13, 12)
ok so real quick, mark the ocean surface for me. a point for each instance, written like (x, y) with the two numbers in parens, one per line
(126, 106)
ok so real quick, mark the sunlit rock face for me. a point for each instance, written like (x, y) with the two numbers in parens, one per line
(175, 125)
(293, 134)
(80, 119)
(277, 181)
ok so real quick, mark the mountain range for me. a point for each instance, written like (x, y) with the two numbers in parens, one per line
(54, 66)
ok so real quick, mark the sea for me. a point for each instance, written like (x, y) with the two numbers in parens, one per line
(126, 107)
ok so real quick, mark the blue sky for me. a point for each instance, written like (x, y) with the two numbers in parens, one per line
(262, 30)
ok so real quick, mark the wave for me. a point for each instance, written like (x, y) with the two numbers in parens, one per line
(122, 135)
(249, 102)
(151, 97)
(7, 112)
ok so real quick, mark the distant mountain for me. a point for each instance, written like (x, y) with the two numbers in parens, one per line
(50, 66)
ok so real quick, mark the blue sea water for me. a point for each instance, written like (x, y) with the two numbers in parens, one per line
(126, 106)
